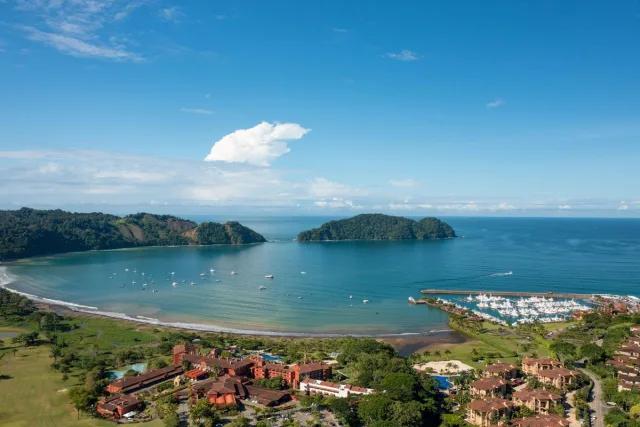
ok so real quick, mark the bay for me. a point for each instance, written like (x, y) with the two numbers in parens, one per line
(544, 254)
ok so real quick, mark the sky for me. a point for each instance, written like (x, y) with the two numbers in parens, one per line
(527, 108)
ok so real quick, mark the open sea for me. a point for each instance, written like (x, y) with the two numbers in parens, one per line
(319, 288)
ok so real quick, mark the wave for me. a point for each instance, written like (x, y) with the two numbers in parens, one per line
(507, 273)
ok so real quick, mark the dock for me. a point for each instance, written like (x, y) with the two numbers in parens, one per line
(566, 295)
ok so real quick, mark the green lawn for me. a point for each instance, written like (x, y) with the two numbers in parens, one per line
(492, 342)
(33, 394)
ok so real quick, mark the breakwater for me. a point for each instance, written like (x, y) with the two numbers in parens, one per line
(516, 294)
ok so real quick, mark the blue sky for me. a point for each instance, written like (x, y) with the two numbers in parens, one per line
(445, 108)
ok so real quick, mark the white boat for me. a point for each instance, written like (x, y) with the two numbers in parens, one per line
(201, 274)
(233, 273)
(262, 288)
(211, 270)
(303, 272)
(174, 284)
(268, 276)
(193, 283)
(411, 300)
(350, 296)
(365, 301)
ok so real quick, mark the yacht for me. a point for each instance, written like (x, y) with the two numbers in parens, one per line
(174, 284)
(268, 276)
(262, 288)
(233, 273)
(365, 301)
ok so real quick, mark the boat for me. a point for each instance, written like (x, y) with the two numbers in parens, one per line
(193, 283)
(201, 274)
(268, 276)
(350, 296)
(212, 270)
(174, 284)
(233, 273)
(303, 272)
(412, 300)
(262, 288)
(365, 301)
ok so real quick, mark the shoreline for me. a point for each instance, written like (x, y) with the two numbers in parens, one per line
(426, 337)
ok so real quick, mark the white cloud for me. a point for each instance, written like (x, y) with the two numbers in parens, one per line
(496, 103)
(79, 27)
(259, 145)
(623, 206)
(404, 183)
(324, 188)
(564, 207)
(404, 55)
(76, 47)
(171, 14)
(201, 111)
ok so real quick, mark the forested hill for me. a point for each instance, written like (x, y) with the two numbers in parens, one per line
(379, 227)
(30, 232)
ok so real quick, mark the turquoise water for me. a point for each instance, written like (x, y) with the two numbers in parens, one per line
(581, 255)
(119, 373)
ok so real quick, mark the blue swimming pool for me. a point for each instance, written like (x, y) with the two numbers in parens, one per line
(443, 382)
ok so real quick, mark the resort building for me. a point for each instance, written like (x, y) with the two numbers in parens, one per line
(489, 387)
(627, 362)
(291, 374)
(325, 388)
(115, 407)
(142, 381)
(226, 391)
(180, 350)
(533, 366)
(488, 412)
(195, 374)
(221, 366)
(267, 397)
(541, 421)
(557, 377)
(505, 371)
(538, 400)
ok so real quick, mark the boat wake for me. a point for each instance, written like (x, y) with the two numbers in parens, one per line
(507, 273)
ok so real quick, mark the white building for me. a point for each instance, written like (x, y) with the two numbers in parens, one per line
(331, 389)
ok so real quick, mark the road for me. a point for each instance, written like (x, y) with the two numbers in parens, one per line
(597, 403)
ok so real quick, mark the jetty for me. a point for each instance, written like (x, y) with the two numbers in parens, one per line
(516, 294)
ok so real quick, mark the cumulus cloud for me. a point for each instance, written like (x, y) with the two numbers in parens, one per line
(405, 55)
(496, 103)
(259, 145)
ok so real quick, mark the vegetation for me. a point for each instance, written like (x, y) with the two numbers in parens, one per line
(379, 227)
(29, 232)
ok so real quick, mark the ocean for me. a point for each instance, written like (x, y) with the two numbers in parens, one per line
(319, 288)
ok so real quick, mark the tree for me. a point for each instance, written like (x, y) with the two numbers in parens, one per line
(171, 420)
(399, 386)
(82, 400)
(593, 352)
(406, 414)
(27, 338)
(203, 413)
(239, 422)
(375, 408)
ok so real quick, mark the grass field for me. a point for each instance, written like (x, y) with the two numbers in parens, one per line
(33, 394)
(488, 342)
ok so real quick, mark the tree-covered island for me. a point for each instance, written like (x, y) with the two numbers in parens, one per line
(379, 227)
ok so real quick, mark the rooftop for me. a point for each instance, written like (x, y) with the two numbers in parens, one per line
(488, 405)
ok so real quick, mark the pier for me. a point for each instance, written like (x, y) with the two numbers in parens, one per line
(567, 295)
